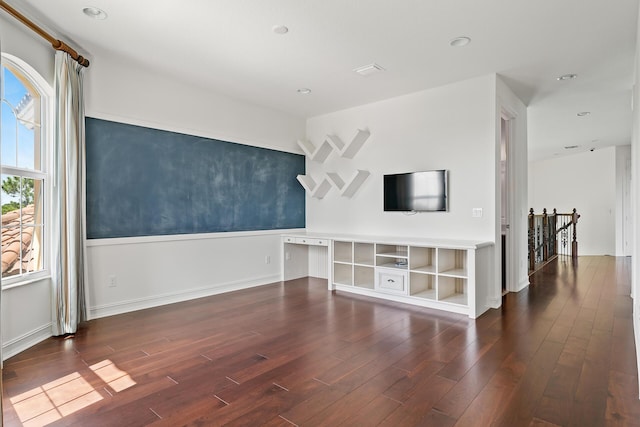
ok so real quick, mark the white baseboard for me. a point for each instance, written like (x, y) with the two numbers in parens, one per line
(23, 342)
(494, 302)
(122, 307)
(524, 282)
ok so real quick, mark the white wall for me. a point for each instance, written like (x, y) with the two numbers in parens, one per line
(160, 270)
(451, 127)
(585, 181)
(123, 91)
(26, 310)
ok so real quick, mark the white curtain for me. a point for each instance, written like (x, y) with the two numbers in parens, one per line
(68, 227)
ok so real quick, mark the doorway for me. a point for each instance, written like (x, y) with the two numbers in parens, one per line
(505, 137)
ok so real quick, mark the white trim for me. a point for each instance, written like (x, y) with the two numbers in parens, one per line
(23, 342)
(29, 278)
(122, 307)
(427, 303)
(184, 237)
(524, 282)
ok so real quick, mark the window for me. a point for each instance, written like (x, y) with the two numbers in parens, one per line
(23, 175)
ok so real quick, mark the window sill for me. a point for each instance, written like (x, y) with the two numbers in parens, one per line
(36, 277)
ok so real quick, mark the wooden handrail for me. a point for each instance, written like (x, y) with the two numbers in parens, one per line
(55, 43)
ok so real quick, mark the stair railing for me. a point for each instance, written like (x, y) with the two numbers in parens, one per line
(549, 236)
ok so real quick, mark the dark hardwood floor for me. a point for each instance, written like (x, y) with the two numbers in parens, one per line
(558, 353)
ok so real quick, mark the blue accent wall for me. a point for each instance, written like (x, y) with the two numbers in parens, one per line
(147, 182)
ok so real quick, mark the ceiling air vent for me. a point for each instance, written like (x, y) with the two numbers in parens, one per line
(367, 70)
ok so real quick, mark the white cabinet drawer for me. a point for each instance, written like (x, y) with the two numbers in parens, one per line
(310, 241)
(391, 281)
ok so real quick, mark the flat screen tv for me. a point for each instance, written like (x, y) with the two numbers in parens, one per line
(416, 191)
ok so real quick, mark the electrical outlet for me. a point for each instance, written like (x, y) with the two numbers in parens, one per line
(476, 212)
(267, 259)
(287, 256)
(112, 281)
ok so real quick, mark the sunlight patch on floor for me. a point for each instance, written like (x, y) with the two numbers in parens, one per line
(57, 399)
(116, 378)
(52, 401)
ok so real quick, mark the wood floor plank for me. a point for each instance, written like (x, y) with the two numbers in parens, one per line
(559, 353)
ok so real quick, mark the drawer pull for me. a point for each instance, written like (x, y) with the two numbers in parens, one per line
(391, 280)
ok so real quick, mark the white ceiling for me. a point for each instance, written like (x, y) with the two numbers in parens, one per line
(229, 47)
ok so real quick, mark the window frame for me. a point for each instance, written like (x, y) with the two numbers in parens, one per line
(36, 83)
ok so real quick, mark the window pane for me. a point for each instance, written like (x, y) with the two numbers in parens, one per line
(27, 192)
(26, 147)
(31, 249)
(11, 251)
(9, 136)
(10, 196)
(32, 201)
(21, 111)
(22, 236)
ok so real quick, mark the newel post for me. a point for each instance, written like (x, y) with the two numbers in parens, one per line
(532, 245)
(545, 235)
(574, 242)
(555, 231)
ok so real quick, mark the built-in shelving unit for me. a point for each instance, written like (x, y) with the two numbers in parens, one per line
(434, 276)
(452, 275)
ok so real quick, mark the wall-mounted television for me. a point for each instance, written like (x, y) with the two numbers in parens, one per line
(417, 191)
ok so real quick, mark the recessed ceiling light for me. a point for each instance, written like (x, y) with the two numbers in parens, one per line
(304, 91)
(368, 69)
(95, 13)
(280, 29)
(566, 77)
(583, 113)
(570, 147)
(460, 41)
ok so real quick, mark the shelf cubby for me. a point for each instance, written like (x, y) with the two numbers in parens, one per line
(364, 253)
(391, 256)
(343, 274)
(452, 262)
(452, 290)
(422, 286)
(422, 260)
(389, 263)
(364, 277)
(342, 251)
(391, 251)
